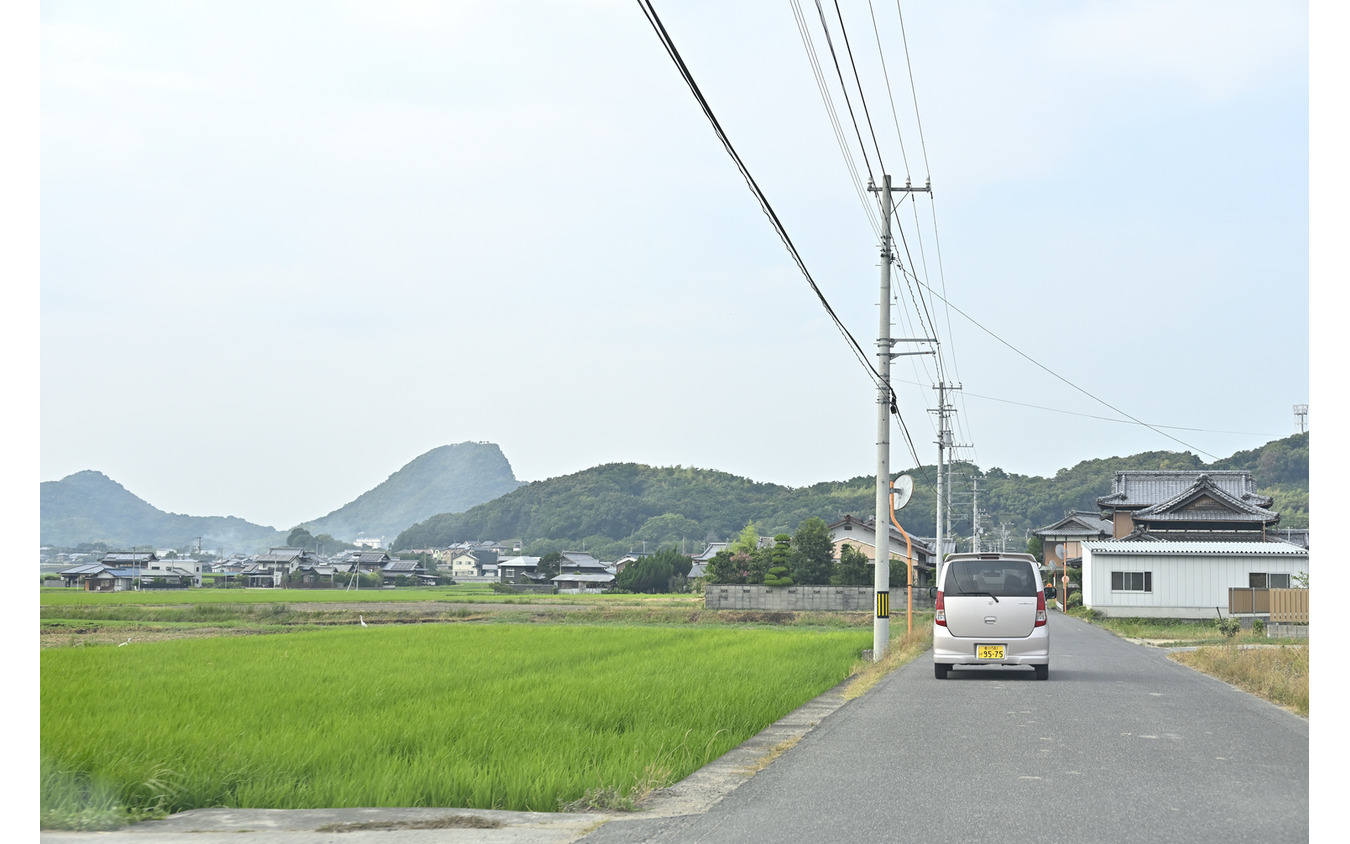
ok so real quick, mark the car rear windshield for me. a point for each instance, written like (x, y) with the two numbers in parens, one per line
(1000, 578)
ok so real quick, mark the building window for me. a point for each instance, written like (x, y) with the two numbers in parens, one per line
(1261, 580)
(1132, 581)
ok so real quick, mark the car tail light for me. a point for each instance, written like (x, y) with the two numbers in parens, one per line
(940, 612)
(1040, 609)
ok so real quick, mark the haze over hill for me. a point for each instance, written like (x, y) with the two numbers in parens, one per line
(622, 507)
(448, 479)
(89, 507)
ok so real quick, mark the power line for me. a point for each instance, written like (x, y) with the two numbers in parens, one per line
(862, 98)
(844, 87)
(1114, 419)
(833, 115)
(890, 96)
(669, 45)
(1051, 372)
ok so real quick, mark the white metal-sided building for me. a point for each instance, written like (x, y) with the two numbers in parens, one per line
(1189, 580)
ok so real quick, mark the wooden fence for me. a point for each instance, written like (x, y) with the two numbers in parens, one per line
(1289, 606)
(1284, 606)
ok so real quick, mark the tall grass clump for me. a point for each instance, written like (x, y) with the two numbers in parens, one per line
(529, 717)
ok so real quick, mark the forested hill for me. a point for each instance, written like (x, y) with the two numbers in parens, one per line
(620, 507)
(90, 507)
(446, 479)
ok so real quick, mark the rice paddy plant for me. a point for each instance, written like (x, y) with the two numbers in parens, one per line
(69, 597)
(489, 717)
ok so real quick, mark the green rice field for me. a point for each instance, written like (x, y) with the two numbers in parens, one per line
(475, 592)
(493, 716)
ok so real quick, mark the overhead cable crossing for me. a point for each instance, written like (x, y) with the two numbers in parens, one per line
(669, 45)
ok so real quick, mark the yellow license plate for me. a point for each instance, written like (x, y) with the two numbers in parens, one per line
(989, 651)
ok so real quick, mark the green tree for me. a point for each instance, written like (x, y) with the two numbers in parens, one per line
(853, 568)
(659, 573)
(780, 562)
(299, 538)
(812, 553)
(549, 565)
(1035, 549)
(723, 569)
(748, 541)
(756, 564)
(899, 573)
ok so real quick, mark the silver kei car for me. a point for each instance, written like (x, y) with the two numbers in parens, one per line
(990, 610)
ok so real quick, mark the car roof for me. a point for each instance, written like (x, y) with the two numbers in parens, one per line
(990, 555)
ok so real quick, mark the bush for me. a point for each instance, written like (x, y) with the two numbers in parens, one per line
(1259, 627)
(1228, 626)
(1075, 599)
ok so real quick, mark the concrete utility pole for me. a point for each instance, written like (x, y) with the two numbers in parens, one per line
(881, 580)
(975, 514)
(943, 436)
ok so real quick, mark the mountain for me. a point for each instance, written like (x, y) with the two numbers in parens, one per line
(448, 479)
(620, 507)
(468, 492)
(89, 507)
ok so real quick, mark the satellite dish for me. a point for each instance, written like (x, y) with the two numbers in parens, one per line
(901, 491)
(1059, 550)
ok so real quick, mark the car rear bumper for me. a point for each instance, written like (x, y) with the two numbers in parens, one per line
(953, 650)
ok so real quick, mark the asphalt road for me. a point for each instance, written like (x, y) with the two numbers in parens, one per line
(1119, 745)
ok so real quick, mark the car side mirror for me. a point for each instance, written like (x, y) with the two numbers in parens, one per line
(1050, 592)
(932, 593)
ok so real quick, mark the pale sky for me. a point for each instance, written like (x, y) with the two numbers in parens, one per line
(288, 247)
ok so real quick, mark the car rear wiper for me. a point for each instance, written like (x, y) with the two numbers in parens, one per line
(989, 594)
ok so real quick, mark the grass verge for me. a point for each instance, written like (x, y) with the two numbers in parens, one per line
(1276, 670)
(1278, 674)
(904, 650)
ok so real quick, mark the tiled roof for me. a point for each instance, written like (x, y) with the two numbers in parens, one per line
(87, 568)
(1078, 523)
(1141, 489)
(126, 557)
(585, 578)
(580, 561)
(710, 551)
(920, 543)
(1235, 508)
